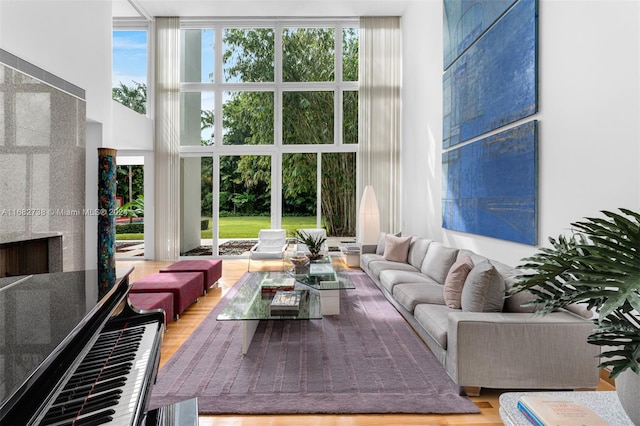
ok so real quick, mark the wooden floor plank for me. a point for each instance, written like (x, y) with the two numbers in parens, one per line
(232, 270)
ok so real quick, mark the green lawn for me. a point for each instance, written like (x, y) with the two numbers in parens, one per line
(245, 227)
(129, 236)
(248, 226)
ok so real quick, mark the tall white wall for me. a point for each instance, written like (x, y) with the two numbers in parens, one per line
(589, 109)
(131, 130)
(589, 134)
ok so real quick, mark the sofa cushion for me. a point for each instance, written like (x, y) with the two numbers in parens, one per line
(435, 320)
(411, 294)
(417, 251)
(376, 267)
(454, 282)
(514, 302)
(509, 273)
(390, 277)
(367, 258)
(396, 249)
(483, 289)
(380, 246)
(438, 261)
(580, 309)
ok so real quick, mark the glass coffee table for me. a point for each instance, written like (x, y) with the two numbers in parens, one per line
(251, 305)
(326, 275)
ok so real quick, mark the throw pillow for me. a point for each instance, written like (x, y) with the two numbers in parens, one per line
(381, 239)
(438, 261)
(454, 283)
(483, 290)
(396, 249)
(380, 246)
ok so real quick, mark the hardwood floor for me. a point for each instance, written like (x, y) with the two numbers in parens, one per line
(232, 270)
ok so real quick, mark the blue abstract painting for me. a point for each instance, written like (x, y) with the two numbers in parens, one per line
(490, 186)
(493, 83)
(465, 21)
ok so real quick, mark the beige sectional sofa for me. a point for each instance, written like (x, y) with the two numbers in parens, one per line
(489, 341)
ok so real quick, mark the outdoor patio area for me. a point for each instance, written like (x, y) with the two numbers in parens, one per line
(126, 249)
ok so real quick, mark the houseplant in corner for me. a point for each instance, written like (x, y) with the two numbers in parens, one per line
(599, 264)
(313, 242)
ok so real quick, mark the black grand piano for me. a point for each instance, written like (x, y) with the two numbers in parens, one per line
(67, 358)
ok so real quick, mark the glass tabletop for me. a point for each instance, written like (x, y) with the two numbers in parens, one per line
(323, 274)
(252, 302)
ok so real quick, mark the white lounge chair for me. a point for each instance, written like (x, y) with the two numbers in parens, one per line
(272, 244)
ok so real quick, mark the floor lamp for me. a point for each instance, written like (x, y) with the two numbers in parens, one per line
(368, 218)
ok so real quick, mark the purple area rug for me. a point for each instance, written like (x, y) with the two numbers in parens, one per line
(366, 360)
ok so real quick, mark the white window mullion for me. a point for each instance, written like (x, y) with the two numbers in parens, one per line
(276, 190)
(338, 54)
(217, 79)
(319, 190)
(151, 75)
(337, 115)
(215, 203)
(277, 95)
(276, 161)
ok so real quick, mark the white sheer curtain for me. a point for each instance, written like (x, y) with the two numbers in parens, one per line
(380, 76)
(167, 139)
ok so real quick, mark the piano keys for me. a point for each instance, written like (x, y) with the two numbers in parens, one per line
(70, 359)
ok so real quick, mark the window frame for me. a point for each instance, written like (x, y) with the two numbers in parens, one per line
(278, 87)
(139, 24)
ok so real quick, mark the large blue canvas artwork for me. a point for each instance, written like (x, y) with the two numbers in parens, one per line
(493, 83)
(465, 21)
(490, 186)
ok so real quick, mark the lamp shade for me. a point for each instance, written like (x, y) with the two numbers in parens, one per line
(368, 217)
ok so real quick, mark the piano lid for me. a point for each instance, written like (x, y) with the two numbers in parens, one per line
(37, 313)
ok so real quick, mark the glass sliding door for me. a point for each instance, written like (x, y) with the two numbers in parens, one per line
(196, 177)
(245, 202)
(339, 194)
(299, 191)
(190, 178)
(130, 207)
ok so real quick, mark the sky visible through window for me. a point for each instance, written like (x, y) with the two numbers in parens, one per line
(129, 58)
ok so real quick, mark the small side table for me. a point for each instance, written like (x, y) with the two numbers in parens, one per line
(350, 254)
(604, 403)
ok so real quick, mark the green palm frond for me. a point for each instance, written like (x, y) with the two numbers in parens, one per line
(598, 264)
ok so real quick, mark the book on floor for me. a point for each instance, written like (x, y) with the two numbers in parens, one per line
(558, 411)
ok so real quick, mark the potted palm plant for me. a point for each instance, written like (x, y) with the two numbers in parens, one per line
(313, 242)
(598, 264)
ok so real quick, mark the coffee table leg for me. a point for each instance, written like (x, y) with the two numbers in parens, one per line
(248, 330)
(330, 302)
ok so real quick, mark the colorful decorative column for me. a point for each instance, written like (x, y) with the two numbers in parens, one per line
(106, 219)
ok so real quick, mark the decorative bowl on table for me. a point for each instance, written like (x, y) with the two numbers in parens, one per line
(299, 260)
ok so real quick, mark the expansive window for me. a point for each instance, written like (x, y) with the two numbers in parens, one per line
(129, 64)
(130, 42)
(271, 107)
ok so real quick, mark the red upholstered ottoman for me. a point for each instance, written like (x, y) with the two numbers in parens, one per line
(146, 301)
(185, 286)
(211, 268)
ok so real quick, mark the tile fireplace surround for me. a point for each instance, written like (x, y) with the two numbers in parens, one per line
(42, 159)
